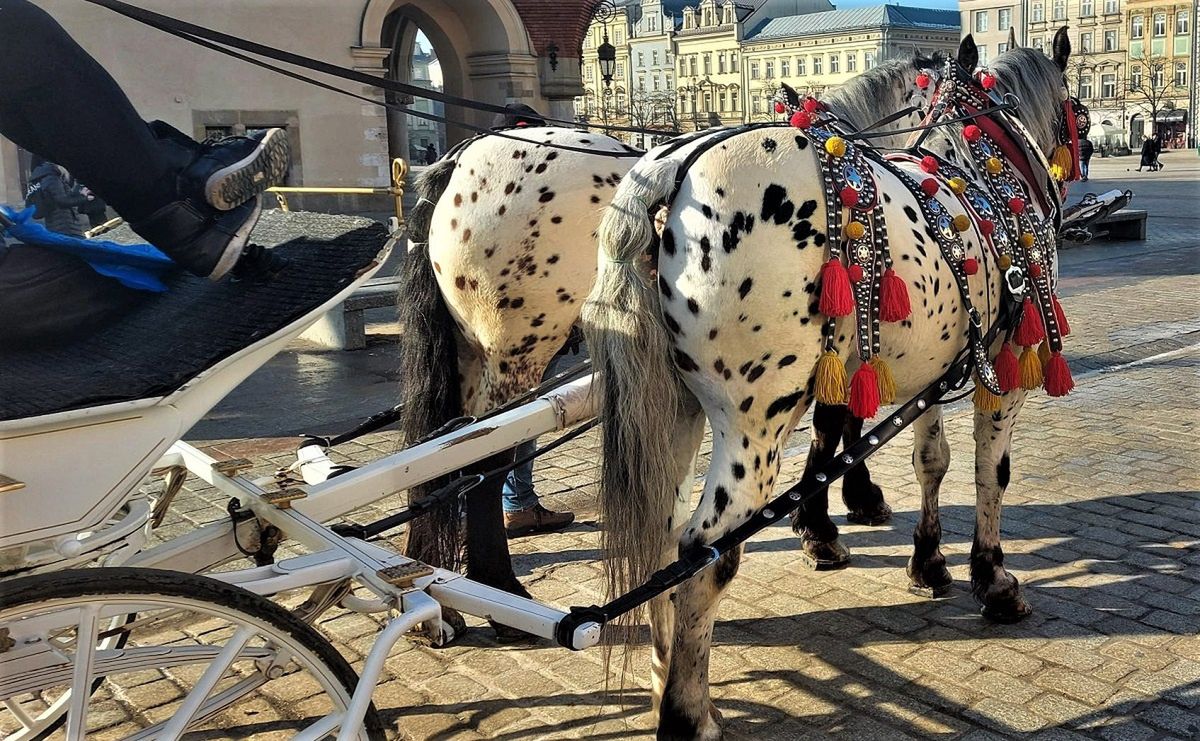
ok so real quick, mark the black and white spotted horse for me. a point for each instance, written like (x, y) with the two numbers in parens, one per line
(504, 253)
(763, 295)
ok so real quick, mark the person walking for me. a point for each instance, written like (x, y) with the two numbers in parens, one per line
(1148, 154)
(431, 154)
(1086, 150)
(54, 201)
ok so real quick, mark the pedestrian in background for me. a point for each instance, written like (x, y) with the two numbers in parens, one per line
(56, 202)
(1086, 150)
(1148, 155)
(430, 154)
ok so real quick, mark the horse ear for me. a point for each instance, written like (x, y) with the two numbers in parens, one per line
(1062, 48)
(1012, 38)
(793, 97)
(968, 54)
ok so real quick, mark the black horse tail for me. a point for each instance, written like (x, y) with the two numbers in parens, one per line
(429, 386)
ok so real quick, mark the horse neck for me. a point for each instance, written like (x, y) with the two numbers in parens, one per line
(861, 106)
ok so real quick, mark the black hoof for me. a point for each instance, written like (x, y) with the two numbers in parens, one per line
(824, 555)
(932, 579)
(1008, 611)
(877, 515)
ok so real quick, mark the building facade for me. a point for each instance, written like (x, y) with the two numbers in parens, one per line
(606, 102)
(994, 24)
(652, 100)
(1161, 72)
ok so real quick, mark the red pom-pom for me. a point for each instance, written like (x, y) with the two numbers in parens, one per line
(849, 196)
(812, 105)
(1008, 371)
(988, 81)
(929, 164)
(1016, 205)
(522, 123)
(986, 226)
(971, 133)
(801, 120)
(893, 298)
(929, 187)
(864, 392)
(1058, 376)
(855, 273)
(1060, 316)
(836, 297)
(1029, 331)
(780, 107)
(1035, 270)
(922, 80)
(970, 266)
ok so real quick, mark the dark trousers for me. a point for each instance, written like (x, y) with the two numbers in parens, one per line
(58, 102)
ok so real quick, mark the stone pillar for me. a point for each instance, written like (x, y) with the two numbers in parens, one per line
(499, 78)
(381, 126)
(561, 86)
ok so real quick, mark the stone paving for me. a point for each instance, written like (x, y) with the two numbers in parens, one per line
(1102, 526)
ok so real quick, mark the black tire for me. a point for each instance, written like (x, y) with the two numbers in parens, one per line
(126, 580)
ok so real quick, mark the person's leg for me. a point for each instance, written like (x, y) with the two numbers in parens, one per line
(518, 485)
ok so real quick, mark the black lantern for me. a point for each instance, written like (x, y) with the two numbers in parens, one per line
(607, 54)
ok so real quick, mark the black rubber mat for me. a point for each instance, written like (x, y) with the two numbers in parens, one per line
(170, 338)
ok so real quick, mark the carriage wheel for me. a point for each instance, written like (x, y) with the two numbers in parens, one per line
(196, 654)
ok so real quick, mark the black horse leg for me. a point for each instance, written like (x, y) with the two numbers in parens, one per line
(818, 534)
(488, 559)
(863, 497)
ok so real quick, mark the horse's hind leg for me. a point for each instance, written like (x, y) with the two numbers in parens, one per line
(863, 497)
(818, 535)
(931, 458)
(996, 589)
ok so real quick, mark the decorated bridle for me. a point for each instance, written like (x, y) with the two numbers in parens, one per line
(858, 277)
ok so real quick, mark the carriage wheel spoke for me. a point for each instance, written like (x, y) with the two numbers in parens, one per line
(81, 677)
(207, 682)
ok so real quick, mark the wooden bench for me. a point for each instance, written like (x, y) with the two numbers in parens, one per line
(1126, 224)
(344, 327)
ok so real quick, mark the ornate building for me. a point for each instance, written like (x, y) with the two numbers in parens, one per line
(1161, 63)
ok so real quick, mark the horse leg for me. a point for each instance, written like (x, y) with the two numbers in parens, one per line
(863, 497)
(931, 458)
(820, 547)
(996, 589)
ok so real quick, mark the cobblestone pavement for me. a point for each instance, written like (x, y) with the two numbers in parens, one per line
(1102, 526)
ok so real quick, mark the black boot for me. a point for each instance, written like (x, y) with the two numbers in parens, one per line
(229, 171)
(202, 240)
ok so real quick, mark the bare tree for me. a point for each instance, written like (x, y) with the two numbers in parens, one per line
(1151, 82)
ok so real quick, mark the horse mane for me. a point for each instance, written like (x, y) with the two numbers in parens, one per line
(859, 101)
(1033, 78)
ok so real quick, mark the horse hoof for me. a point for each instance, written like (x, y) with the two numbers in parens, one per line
(1008, 611)
(824, 555)
(932, 580)
(876, 516)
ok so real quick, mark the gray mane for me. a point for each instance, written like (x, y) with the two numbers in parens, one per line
(877, 92)
(1035, 79)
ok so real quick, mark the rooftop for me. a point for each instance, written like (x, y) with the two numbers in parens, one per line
(871, 16)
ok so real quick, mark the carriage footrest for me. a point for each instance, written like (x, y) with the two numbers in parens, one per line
(232, 467)
(284, 497)
(403, 575)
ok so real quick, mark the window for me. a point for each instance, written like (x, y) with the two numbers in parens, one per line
(721, 63)
(641, 83)
(1002, 47)
(1108, 85)
(733, 98)
(835, 63)
(1159, 76)
(1112, 6)
(707, 63)
(693, 65)
(707, 102)
(981, 21)
(1135, 78)
(756, 106)
(733, 65)
(1085, 87)
(983, 55)
(800, 66)
(1085, 43)
(1005, 19)
(641, 59)
(654, 57)
(868, 60)
(816, 65)
(620, 69)
(1060, 10)
(1039, 43)
(785, 68)
(1110, 41)
(770, 69)
(654, 82)
(1087, 8)
(1160, 25)
(1038, 13)
(652, 23)
(708, 17)
(852, 62)
(1137, 27)
(1180, 75)
(1181, 23)
(754, 70)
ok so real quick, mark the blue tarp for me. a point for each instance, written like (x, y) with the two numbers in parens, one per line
(137, 266)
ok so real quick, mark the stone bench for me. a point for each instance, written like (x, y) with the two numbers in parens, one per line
(344, 327)
(1126, 224)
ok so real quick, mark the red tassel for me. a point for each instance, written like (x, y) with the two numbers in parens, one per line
(893, 299)
(1058, 376)
(864, 392)
(1060, 316)
(1007, 369)
(1030, 330)
(836, 297)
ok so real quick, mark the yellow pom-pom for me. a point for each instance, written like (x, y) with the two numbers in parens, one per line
(958, 185)
(1031, 369)
(994, 165)
(985, 401)
(1026, 240)
(962, 223)
(854, 230)
(831, 382)
(1060, 162)
(887, 382)
(1005, 262)
(1044, 353)
(835, 145)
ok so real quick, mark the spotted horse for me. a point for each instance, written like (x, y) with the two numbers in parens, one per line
(908, 258)
(503, 252)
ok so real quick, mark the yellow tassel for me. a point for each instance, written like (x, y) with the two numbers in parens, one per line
(1031, 370)
(831, 382)
(985, 401)
(887, 383)
(1060, 163)
(1044, 353)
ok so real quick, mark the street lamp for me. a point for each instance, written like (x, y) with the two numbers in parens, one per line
(607, 54)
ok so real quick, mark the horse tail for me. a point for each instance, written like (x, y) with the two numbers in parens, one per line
(429, 385)
(630, 348)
